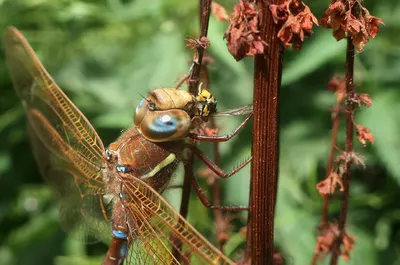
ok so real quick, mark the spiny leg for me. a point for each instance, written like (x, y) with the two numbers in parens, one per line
(207, 203)
(172, 187)
(221, 138)
(214, 167)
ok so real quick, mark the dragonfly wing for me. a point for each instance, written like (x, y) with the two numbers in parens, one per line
(156, 229)
(241, 111)
(38, 92)
(67, 148)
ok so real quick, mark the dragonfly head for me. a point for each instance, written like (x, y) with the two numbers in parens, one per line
(166, 113)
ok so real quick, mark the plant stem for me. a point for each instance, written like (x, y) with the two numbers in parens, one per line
(205, 10)
(331, 157)
(265, 146)
(349, 147)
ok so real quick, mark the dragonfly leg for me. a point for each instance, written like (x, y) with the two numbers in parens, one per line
(214, 167)
(174, 187)
(206, 202)
(221, 138)
(103, 209)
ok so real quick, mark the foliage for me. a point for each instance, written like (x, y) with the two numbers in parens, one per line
(105, 54)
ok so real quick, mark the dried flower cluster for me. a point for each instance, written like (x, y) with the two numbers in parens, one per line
(242, 35)
(348, 18)
(296, 20)
(328, 234)
(334, 180)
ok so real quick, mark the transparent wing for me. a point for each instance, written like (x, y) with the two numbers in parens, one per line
(241, 111)
(157, 231)
(67, 148)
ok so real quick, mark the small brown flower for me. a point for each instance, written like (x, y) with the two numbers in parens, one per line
(372, 23)
(363, 99)
(219, 12)
(364, 135)
(296, 22)
(328, 236)
(328, 185)
(347, 242)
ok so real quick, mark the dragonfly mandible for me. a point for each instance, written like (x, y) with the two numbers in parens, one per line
(115, 190)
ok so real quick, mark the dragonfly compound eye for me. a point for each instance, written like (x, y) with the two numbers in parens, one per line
(162, 126)
(140, 112)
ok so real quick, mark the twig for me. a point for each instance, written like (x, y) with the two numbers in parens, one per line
(205, 7)
(331, 157)
(205, 10)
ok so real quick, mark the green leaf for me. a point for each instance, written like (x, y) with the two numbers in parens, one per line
(384, 124)
(317, 51)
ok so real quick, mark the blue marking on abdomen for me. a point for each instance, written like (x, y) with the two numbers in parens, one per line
(122, 252)
(119, 234)
(124, 249)
(121, 169)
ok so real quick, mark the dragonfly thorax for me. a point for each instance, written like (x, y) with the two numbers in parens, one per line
(134, 155)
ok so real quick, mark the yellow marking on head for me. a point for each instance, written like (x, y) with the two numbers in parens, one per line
(206, 93)
(199, 89)
(170, 158)
(206, 111)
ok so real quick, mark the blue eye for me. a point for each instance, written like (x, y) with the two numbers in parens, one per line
(140, 105)
(163, 125)
(168, 125)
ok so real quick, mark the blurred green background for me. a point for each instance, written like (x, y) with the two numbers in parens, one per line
(104, 54)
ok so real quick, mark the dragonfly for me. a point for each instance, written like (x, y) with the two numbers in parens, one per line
(115, 191)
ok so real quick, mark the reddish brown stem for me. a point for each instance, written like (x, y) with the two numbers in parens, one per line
(205, 10)
(265, 146)
(349, 147)
(331, 157)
